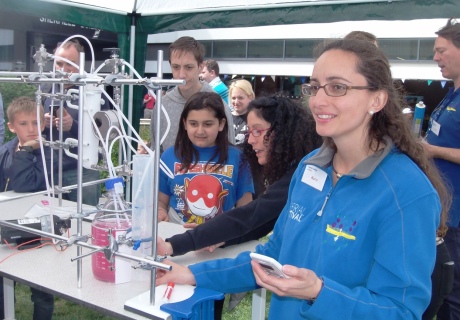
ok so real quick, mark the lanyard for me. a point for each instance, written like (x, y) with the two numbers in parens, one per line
(450, 96)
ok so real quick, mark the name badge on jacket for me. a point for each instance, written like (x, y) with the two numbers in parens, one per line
(314, 177)
(435, 127)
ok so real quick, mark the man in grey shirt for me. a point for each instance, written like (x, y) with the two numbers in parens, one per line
(186, 57)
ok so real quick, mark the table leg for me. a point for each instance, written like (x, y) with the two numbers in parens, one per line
(259, 298)
(8, 298)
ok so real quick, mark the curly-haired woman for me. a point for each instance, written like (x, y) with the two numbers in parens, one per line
(280, 134)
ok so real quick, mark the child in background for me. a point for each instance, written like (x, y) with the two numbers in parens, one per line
(21, 162)
(141, 149)
(210, 175)
(21, 170)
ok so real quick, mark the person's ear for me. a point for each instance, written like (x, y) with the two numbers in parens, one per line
(378, 101)
(11, 127)
(222, 124)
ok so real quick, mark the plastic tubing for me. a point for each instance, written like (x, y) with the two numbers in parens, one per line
(45, 169)
(168, 121)
(120, 133)
(90, 48)
(162, 165)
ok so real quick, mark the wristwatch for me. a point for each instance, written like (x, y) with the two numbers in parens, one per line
(312, 300)
(28, 149)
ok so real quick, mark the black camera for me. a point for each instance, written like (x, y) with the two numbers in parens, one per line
(56, 112)
(13, 235)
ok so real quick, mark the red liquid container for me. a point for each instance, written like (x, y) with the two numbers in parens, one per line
(115, 215)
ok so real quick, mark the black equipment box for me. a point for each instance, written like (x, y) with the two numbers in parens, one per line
(12, 235)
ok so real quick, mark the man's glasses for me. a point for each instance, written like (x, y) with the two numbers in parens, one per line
(255, 132)
(331, 89)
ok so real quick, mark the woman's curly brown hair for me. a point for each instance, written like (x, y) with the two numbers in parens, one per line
(291, 136)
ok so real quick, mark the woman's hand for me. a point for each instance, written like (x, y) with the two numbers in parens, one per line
(303, 283)
(213, 247)
(179, 274)
(164, 248)
(162, 214)
(190, 225)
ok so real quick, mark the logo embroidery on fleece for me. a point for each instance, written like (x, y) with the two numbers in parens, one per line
(451, 109)
(296, 212)
(341, 229)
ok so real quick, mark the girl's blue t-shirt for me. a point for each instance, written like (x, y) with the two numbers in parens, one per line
(203, 192)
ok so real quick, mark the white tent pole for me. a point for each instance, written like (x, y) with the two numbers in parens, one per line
(132, 44)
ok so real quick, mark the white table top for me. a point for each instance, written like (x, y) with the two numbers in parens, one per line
(53, 272)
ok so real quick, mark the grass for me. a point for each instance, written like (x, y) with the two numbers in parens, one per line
(65, 310)
(243, 310)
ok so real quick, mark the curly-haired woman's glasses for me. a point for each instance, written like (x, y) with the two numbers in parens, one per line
(255, 132)
(331, 89)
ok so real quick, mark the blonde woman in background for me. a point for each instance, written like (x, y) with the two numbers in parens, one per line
(241, 94)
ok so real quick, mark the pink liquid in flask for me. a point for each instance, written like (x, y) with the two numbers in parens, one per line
(102, 269)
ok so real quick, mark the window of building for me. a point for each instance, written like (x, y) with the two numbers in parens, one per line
(300, 48)
(231, 49)
(400, 49)
(152, 51)
(395, 49)
(426, 49)
(6, 49)
(263, 49)
(207, 48)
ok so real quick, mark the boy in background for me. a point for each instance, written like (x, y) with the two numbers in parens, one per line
(186, 57)
(21, 170)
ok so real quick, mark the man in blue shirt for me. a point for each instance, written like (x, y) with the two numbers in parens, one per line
(2, 122)
(90, 194)
(442, 143)
(210, 74)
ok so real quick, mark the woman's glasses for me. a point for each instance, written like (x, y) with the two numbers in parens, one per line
(254, 132)
(331, 89)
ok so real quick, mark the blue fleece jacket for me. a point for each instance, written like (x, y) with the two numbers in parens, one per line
(448, 120)
(22, 171)
(371, 237)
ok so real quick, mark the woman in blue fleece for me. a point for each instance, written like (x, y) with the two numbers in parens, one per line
(357, 234)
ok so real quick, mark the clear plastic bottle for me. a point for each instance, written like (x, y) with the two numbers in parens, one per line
(115, 215)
